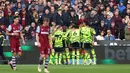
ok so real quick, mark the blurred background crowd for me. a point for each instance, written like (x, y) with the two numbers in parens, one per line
(109, 18)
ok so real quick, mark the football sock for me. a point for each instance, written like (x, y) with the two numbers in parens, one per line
(60, 57)
(46, 63)
(93, 54)
(64, 57)
(14, 61)
(85, 57)
(40, 60)
(77, 56)
(56, 58)
(17, 57)
(73, 57)
(51, 58)
(88, 57)
(68, 56)
(82, 57)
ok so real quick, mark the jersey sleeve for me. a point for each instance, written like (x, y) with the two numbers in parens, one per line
(38, 29)
(9, 28)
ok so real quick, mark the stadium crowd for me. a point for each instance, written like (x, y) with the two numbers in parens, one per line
(105, 16)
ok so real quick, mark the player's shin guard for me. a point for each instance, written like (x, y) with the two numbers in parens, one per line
(40, 60)
(60, 57)
(77, 56)
(94, 55)
(56, 58)
(73, 57)
(46, 63)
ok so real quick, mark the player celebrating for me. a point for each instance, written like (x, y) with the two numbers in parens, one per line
(74, 37)
(14, 32)
(66, 54)
(59, 44)
(43, 38)
(87, 40)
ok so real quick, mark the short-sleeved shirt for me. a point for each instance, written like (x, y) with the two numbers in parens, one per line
(59, 37)
(14, 29)
(74, 36)
(43, 32)
(87, 34)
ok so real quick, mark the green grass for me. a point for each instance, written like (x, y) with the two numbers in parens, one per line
(122, 68)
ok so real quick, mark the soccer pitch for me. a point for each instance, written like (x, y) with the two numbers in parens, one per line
(116, 68)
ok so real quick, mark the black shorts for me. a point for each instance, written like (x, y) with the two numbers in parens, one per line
(75, 45)
(86, 46)
(59, 49)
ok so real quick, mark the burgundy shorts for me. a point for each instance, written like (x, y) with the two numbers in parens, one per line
(15, 46)
(45, 50)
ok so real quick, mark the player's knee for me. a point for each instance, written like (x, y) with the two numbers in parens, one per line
(19, 53)
(42, 56)
(14, 53)
(46, 56)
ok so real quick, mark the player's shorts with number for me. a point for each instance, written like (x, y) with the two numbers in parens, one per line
(45, 50)
(15, 45)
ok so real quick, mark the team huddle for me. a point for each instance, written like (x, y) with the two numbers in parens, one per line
(76, 42)
(57, 45)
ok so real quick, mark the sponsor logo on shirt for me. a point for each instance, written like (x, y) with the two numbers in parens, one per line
(16, 31)
(44, 33)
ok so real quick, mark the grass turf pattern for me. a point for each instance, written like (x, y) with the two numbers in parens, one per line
(116, 68)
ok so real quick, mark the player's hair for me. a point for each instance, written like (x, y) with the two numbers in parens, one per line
(16, 17)
(46, 19)
(75, 26)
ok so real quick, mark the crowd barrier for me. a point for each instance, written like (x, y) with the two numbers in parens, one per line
(117, 51)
